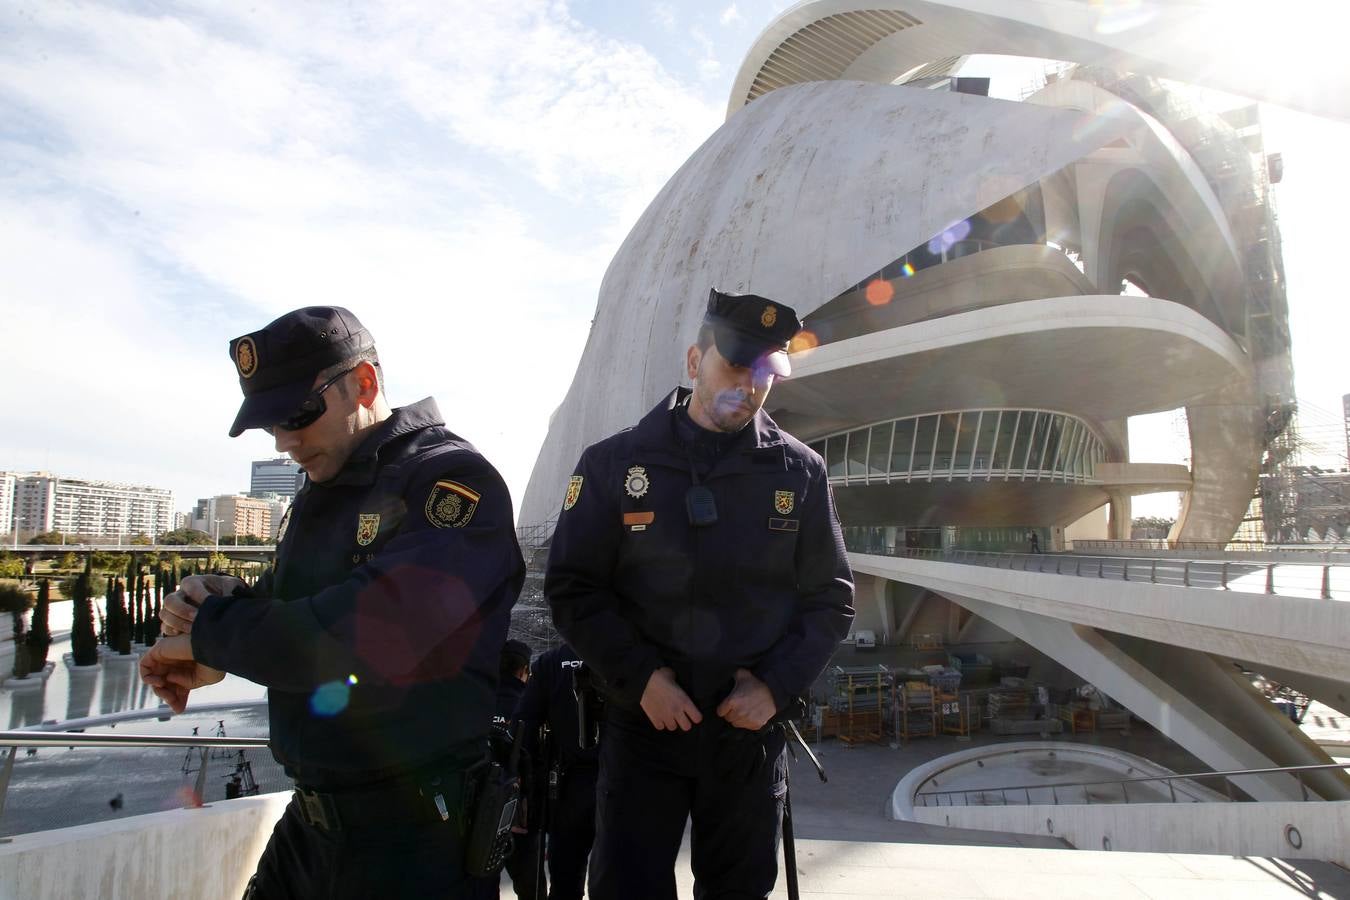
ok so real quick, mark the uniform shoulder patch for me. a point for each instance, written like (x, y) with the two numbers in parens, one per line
(451, 504)
(573, 492)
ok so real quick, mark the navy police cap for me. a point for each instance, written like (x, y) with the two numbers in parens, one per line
(277, 364)
(749, 329)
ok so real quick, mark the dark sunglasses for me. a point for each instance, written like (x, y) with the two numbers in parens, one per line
(311, 408)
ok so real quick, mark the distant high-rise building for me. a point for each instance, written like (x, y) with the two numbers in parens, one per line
(229, 515)
(279, 505)
(78, 506)
(9, 482)
(1345, 409)
(275, 476)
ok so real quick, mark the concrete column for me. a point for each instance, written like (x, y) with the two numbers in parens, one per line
(1120, 525)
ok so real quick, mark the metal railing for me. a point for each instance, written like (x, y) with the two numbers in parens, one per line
(1025, 789)
(1291, 579)
(36, 740)
(160, 771)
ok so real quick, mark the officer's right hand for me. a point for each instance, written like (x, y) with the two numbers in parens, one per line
(666, 704)
(177, 613)
(180, 607)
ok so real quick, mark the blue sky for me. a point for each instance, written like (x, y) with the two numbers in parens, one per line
(458, 174)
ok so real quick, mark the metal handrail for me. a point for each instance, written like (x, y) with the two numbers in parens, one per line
(1155, 566)
(1054, 787)
(80, 739)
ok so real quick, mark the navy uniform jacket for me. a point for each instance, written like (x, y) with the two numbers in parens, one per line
(379, 631)
(633, 586)
(549, 698)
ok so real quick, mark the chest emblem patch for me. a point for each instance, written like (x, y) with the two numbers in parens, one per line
(367, 526)
(451, 504)
(784, 502)
(573, 492)
(636, 484)
(281, 529)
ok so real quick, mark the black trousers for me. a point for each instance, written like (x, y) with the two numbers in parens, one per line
(729, 781)
(412, 859)
(571, 832)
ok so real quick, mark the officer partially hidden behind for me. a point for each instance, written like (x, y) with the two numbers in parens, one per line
(378, 632)
(513, 674)
(699, 569)
(571, 761)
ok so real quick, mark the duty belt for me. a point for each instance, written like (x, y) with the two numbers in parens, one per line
(399, 803)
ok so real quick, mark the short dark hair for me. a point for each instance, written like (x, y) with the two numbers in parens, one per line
(368, 355)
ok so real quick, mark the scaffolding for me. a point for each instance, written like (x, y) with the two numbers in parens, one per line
(857, 698)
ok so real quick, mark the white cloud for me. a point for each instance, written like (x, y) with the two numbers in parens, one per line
(458, 174)
(663, 14)
(731, 15)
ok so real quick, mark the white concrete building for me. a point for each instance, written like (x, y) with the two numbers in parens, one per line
(991, 290)
(96, 509)
(9, 482)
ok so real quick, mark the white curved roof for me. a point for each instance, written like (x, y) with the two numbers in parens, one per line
(827, 40)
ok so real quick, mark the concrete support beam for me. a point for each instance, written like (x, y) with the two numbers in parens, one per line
(1146, 694)
(1322, 830)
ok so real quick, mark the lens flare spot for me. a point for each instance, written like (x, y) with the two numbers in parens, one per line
(804, 340)
(949, 236)
(906, 270)
(351, 679)
(879, 292)
(330, 699)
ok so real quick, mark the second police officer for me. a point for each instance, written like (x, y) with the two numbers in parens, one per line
(569, 771)
(699, 569)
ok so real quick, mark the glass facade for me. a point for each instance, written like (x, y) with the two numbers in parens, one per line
(1020, 444)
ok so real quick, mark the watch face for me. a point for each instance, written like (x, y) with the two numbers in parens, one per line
(635, 485)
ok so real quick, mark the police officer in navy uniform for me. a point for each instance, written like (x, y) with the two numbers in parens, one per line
(698, 567)
(378, 632)
(550, 698)
(514, 672)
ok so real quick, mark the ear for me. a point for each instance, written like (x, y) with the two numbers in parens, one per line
(692, 358)
(367, 385)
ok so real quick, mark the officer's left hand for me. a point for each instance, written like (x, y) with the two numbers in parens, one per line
(172, 673)
(750, 704)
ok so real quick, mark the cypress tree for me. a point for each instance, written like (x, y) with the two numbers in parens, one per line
(123, 641)
(40, 635)
(138, 610)
(103, 619)
(83, 644)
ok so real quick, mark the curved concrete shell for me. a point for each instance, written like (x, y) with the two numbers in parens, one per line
(886, 42)
(776, 203)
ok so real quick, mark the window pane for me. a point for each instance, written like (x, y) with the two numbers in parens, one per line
(946, 441)
(965, 441)
(881, 446)
(835, 458)
(857, 454)
(1003, 450)
(1038, 433)
(1054, 427)
(904, 437)
(1025, 426)
(984, 443)
(923, 447)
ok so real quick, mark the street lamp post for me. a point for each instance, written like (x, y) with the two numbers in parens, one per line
(218, 521)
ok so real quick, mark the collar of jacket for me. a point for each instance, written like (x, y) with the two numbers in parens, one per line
(362, 465)
(655, 432)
